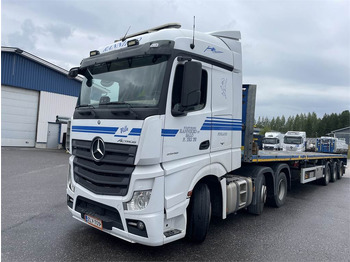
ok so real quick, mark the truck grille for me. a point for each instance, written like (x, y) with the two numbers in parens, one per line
(111, 175)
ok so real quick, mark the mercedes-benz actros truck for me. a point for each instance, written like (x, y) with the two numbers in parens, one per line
(161, 139)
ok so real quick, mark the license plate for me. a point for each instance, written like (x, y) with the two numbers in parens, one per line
(95, 222)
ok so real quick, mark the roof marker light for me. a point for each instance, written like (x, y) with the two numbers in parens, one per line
(133, 42)
(94, 52)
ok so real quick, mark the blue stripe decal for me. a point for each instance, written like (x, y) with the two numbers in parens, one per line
(135, 132)
(208, 124)
(222, 128)
(95, 129)
(222, 118)
(120, 135)
(169, 132)
(227, 122)
(221, 123)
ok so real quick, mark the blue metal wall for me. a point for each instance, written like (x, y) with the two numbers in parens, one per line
(20, 71)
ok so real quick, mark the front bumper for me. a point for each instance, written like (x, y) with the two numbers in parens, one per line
(122, 223)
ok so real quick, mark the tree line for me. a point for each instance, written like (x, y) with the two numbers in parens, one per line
(310, 123)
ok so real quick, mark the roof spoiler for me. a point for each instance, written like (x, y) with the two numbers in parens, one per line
(161, 27)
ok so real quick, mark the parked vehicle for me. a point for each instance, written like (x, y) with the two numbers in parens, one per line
(327, 144)
(295, 141)
(273, 141)
(161, 139)
(310, 144)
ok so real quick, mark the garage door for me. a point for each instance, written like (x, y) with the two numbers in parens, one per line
(19, 109)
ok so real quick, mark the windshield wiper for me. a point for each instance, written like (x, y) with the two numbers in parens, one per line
(116, 103)
(121, 103)
(85, 105)
(86, 112)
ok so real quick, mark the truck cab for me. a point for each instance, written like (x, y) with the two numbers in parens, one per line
(158, 112)
(294, 141)
(273, 141)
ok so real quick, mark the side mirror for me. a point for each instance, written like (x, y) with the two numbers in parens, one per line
(191, 84)
(73, 73)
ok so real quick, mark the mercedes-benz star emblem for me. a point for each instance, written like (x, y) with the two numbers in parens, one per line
(98, 149)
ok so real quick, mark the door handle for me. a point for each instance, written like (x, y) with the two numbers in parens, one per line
(204, 145)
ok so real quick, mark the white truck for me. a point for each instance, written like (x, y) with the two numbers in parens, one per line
(273, 141)
(294, 141)
(162, 136)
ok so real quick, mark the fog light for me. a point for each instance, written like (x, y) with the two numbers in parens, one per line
(139, 200)
(140, 225)
(70, 201)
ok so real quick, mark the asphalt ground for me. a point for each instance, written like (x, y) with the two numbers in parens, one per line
(313, 225)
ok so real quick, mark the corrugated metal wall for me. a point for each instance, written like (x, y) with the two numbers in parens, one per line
(19, 71)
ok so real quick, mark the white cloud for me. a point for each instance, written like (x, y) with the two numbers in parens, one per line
(288, 46)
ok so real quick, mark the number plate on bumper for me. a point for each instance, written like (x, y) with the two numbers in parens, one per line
(95, 222)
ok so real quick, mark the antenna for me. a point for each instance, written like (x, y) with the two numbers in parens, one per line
(124, 37)
(194, 26)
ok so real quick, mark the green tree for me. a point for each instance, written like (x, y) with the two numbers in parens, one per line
(344, 119)
(283, 124)
(264, 130)
(308, 126)
(289, 124)
(297, 123)
(278, 125)
(273, 124)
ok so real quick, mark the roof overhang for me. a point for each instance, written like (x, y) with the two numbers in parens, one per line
(36, 59)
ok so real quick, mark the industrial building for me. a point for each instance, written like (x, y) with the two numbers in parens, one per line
(343, 133)
(33, 93)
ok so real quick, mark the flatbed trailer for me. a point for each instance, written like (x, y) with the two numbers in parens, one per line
(250, 152)
(273, 156)
(273, 171)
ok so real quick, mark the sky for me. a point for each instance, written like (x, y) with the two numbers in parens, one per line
(296, 51)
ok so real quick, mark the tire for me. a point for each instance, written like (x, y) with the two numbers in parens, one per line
(333, 172)
(198, 214)
(280, 196)
(340, 172)
(327, 175)
(259, 196)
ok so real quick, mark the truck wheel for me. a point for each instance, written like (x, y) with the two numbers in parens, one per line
(327, 175)
(281, 194)
(198, 214)
(259, 196)
(340, 172)
(333, 172)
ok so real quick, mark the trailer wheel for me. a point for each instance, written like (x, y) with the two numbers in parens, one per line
(259, 196)
(198, 214)
(340, 172)
(333, 172)
(281, 194)
(327, 175)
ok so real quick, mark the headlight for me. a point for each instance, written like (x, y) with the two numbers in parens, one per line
(69, 180)
(139, 200)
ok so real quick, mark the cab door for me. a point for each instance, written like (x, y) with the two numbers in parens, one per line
(185, 136)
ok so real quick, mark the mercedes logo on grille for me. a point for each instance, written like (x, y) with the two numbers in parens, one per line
(98, 149)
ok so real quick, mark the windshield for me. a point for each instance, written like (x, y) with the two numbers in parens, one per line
(270, 140)
(135, 82)
(326, 141)
(293, 140)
